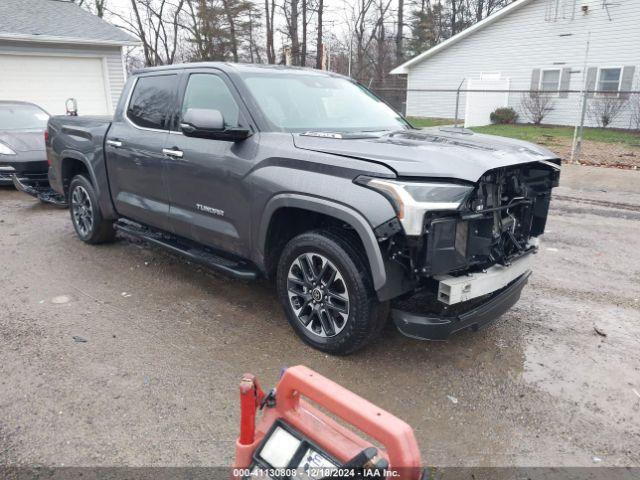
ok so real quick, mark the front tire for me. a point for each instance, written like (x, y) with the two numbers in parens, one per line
(86, 217)
(326, 291)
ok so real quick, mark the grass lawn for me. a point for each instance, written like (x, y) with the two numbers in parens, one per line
(538, 134)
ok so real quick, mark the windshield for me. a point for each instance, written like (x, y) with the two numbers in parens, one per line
(301, 103)
(22, 117)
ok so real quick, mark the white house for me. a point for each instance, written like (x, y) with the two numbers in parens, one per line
(51, 50)
(531, 44)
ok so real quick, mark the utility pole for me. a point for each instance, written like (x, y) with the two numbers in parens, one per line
(350, 52)
(320, 52)
(576, 146)
(455, 124)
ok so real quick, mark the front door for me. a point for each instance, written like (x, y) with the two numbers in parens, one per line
(134, 150)
(209, 200)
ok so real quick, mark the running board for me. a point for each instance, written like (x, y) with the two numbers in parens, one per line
(238, 269)
(44, 194)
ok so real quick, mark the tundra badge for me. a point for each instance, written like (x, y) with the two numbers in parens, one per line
(211, 210)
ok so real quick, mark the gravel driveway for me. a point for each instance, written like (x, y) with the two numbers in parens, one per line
(155, 381)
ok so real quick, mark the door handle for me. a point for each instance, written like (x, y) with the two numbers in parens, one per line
(114, 143)
(170, 152)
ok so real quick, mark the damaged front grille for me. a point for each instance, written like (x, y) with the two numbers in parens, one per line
(507, 209)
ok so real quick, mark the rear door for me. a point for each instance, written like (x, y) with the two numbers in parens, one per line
(134, 149)
(209, 199)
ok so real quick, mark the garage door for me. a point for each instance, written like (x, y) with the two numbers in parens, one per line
(50, 81)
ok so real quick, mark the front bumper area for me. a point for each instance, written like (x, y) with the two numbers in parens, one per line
(436, 327)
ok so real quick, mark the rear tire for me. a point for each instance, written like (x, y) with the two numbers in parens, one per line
(326, 291)
(86, 216)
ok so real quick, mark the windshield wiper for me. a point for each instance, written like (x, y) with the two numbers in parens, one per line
(348, 134)
(322, 134)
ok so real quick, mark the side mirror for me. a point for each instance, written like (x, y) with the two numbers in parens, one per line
(208, 123)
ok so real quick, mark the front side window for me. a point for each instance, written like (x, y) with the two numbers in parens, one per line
(151, 101)
(609, 80)
(16, 116)
(550, 80)
(210, 92)
(312, 102)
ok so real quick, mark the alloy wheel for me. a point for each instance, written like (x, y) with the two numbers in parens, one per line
(318, 294)
(82, 210)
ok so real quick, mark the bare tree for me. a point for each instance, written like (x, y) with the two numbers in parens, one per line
(222, 30)
(428, 26)
(269, 15)
(157, 24)
(399, 33)
(291, 16)
(379, 58)
(234, 30)
(365, 21)
(319, 50)
(605, 110)
(229, 13)
(193, 27)
(238, 27)
(454, 16)
(303, 48)
(536, 105)
(480, 9)
(132, 59)
(254, 31)
(360, 32)
(95, 6)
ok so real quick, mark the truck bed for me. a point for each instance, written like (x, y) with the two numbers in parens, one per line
(80, 138)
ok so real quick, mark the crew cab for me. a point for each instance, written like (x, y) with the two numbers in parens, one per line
(307, 178)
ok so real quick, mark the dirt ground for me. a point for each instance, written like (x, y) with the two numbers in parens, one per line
(156, 382)
(596, 153)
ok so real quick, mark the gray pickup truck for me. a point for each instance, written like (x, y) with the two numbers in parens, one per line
(307, 178)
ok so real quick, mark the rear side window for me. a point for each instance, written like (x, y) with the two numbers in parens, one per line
(209, 91)
(151, 101)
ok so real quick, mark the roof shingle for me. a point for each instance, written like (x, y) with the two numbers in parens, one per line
(57, 20)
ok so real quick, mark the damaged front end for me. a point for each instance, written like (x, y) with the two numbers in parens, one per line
(467, 265)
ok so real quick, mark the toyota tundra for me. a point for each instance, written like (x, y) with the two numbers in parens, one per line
(307, 178)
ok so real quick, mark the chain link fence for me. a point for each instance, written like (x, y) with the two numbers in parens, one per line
(472, 107)
(567, 116)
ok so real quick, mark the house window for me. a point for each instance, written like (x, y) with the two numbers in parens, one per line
(550, 80)
(609, 79)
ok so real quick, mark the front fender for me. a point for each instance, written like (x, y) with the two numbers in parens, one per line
(336, 210)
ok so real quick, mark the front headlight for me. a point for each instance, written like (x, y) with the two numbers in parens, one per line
(5, 150)
(412, 200)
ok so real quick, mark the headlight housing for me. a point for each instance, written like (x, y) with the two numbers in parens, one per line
(411, 200)
(5, 150)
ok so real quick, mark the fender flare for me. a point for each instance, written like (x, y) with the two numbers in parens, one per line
(102, 188)
(336, 210)
(73, 155)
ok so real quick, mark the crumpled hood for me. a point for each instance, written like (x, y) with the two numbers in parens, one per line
(442, 153)
(23, 140)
